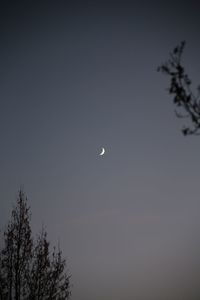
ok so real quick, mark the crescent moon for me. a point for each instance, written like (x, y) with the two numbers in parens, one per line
(102, 152)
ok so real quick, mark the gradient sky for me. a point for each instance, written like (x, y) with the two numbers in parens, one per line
(78, 76)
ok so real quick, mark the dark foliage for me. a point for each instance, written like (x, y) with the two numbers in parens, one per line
(27, 268)
(187, 103)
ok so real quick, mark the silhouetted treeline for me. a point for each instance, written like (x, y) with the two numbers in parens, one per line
(28, 270)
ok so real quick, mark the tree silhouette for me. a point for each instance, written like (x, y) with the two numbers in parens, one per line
(180, 87)
(28, 270)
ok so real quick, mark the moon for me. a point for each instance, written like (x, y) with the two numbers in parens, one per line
(102, 151)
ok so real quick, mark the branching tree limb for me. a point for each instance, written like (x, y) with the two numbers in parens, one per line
(186, 101)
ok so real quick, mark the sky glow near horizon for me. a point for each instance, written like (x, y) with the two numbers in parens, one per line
(78, 77)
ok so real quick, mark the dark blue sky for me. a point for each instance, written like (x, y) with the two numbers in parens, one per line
(75, 77)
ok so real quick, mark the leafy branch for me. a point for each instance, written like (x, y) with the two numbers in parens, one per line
(187, 103)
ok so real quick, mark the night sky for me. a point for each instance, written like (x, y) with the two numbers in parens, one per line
(78, 76)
